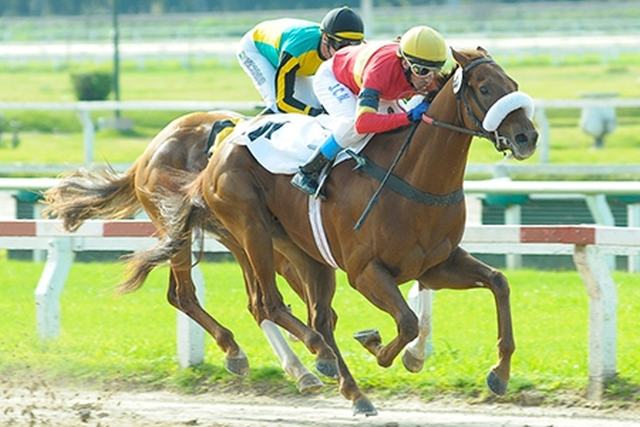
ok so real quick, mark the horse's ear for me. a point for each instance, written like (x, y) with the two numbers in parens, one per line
(459, 57)
(482, 50)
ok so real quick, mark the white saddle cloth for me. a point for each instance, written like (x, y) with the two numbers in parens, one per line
(282, 142)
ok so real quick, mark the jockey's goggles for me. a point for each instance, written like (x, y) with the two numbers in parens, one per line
(418, 69)
(422, 70)
(338, 43)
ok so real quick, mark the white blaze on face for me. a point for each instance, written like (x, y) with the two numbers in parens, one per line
(505, 105)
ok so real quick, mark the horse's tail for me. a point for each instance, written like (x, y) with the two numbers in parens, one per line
(179, 216)
(85, 195)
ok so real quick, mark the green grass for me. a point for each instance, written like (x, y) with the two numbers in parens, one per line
(131, 339)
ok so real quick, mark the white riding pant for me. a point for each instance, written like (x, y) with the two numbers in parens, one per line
(339, 102)
(263, 75)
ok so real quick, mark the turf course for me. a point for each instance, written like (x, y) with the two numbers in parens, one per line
(130, 339)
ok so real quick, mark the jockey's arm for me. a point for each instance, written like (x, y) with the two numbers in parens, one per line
(368, 120)
(285, 87)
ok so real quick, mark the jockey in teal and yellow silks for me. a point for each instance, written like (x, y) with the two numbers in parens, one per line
(281, 55)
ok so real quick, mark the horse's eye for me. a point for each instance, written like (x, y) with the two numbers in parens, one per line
(484, 90)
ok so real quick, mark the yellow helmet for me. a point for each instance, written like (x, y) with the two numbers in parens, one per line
(423, 46)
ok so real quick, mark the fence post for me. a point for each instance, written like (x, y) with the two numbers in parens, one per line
(633, 220)
(366, 9)
(190, 336)
(544, 141)
(592, 266)
(50, 285)
(602, 214)
(39, 255)
(89, 133)
(513, 216)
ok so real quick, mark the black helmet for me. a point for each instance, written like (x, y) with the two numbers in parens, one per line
(343, 26)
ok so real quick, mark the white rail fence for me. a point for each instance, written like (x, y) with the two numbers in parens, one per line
(594, 192)
(588, 244)
(84, 110)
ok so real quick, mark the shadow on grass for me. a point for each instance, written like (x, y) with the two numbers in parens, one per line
(621, 388)
(208, 377)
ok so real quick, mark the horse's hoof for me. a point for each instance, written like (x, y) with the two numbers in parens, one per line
(309, 383)
(496, 385)
(369, 338)
(327, 367)
(238, 365)
(362, 406)
(412, 363)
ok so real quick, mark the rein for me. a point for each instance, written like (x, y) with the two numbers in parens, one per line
(374, 198)
(431, 121)
(460, 98)
(400, 186)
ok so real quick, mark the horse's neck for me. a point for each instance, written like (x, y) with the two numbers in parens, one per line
(437, 157)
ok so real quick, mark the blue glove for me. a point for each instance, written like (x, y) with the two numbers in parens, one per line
(415, 114)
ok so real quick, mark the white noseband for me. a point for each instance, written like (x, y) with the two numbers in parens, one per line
(505, 105)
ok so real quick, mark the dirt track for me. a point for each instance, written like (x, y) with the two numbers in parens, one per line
(54, 406)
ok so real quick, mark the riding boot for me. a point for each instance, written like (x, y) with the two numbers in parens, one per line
(307, 177)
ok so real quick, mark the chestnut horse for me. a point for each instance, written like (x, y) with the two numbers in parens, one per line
(405, 238)
(182, 146)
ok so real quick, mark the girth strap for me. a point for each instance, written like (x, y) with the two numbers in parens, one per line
(402, 187)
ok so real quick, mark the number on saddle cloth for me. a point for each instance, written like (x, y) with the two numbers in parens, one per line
(219, 131)
(265, 130)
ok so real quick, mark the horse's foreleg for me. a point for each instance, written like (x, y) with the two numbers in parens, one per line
(306, 380)
(320, 288)
(182, 295)
(379, 287)
(418, 350)
(462, 271)
(286, 269)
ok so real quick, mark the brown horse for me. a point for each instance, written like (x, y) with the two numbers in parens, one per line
(181, 146)
(403, 239)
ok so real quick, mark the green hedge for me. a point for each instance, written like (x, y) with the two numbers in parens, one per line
(92, 85)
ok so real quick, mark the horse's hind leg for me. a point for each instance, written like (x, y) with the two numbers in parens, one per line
(238, 205)
(306, 381)
(462, 271)
(317, 285)
(182, 295)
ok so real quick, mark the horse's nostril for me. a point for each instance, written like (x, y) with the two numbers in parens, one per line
(521, 138)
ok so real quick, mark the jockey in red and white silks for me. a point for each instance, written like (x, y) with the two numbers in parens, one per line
(357, 80)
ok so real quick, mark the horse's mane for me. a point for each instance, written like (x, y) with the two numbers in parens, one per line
(445, 76)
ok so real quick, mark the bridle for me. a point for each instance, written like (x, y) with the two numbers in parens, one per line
(462, 97)
(487, 127)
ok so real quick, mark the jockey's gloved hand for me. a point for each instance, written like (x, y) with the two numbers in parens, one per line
(316, 111)
(415, 114)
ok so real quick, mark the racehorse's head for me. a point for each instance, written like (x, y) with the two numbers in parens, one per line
(489, 102)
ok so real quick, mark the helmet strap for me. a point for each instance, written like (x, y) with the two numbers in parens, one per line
(407, 71)
(325, 42)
